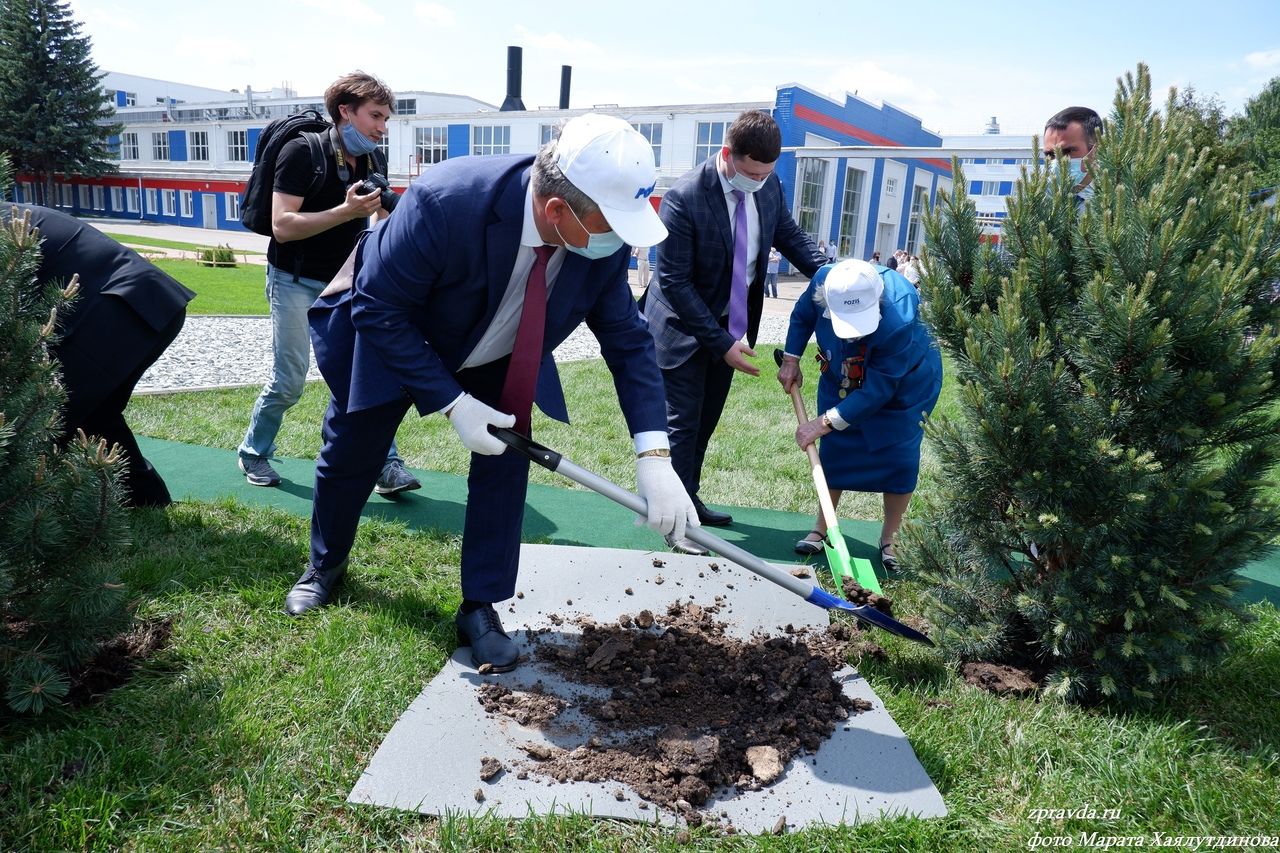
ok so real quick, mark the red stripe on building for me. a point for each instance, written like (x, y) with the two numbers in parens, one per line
(802, 112)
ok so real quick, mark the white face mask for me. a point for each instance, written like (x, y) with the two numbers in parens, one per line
(741, 182)
(598, 245)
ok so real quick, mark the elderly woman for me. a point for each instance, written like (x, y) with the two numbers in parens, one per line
(880, 375)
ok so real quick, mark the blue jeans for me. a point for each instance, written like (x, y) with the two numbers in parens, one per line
(771, 284)
(290, 358)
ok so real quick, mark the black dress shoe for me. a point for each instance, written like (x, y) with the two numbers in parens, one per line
(481, 629)
(710, 517)
(313, 589)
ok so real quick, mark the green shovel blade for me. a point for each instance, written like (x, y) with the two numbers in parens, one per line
(844, 566)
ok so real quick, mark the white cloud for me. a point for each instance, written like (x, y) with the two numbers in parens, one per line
(874, 82)
(571, 47)
(1262, 60)
(347, 10)
(435, 14)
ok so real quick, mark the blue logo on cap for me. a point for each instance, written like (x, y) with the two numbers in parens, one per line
(646, 191)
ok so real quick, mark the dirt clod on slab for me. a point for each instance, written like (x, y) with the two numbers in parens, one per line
(526, 708)
(489, 767)
(856, 593)
(686, 710)
(999, 678)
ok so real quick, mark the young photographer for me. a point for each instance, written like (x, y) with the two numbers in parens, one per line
(315, 225)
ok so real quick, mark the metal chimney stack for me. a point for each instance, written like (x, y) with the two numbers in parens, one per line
(514, 63)
(566, 72)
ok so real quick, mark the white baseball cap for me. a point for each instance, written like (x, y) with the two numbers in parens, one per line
(612, 163)
(852, 290)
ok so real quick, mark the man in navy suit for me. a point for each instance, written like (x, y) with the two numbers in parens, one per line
(127, 314)
(437, 308)
(709, 290)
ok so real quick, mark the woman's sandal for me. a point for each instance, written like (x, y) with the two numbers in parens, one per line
(889, 561)
(807, 547)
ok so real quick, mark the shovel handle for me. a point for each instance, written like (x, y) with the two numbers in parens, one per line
(819, 476)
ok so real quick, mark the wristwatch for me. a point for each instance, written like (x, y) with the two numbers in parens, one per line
(662, 452)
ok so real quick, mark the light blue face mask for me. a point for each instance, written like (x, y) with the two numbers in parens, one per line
(1075, 168)
(355, 142)
(740, 181)
(598, 245)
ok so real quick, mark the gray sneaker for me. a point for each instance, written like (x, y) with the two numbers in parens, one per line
(395, 479)
(258, 471)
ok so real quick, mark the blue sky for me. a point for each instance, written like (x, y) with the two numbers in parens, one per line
(952, 64)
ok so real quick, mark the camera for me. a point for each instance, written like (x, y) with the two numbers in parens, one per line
(377, 183)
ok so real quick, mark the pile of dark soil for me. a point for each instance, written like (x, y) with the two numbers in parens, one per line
(689, 710)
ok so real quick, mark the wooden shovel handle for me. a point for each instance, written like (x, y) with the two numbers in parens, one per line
(819, 476)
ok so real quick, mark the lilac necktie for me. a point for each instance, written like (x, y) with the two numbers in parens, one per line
(526, 355)
(738, 283)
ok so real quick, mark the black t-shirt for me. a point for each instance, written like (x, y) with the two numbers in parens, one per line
(320, 256)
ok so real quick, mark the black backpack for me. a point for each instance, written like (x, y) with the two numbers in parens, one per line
(255, 209)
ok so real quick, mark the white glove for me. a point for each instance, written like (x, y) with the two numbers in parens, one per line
(471, 419)
(670, 509)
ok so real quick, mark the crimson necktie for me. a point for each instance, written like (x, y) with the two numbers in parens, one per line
(738, 283)
(522, 372)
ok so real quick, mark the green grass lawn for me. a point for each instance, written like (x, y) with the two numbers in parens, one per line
(221, 290)
(250, 728)
(135, 240)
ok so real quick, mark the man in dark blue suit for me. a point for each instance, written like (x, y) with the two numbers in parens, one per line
(722, 217)
(437, 319)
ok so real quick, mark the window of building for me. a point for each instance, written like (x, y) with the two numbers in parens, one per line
(151, 201)
(890, 186)
(406, 106)
(546, 133)
(99, 198)
(131, 99)
(188, 203)
(968, 161)
(117, 196)
(65, 191)
(238, 146)
(198, 144)
(129, 146)
(160, 146)
(710, 139)
(431, 145)
(131, 199)
(233, 207)
(652, 131)
(812, 177)
(915, 228)
(384, 145)
(991, 188)
(491, 140)
(170, 199)
(84, 196)
(850, 210)
(28, 192)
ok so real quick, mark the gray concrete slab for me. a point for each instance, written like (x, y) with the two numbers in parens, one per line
(430, 760)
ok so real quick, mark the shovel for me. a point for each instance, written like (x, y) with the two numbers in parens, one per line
(838, 559)
(812, 593)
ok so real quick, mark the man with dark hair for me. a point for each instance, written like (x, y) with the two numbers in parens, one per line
(1074, 132)
(314, 226)
(127, 314)
(457, 305)
(722, 218)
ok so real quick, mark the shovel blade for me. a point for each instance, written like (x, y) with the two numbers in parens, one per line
(868, 614)
(843, 566)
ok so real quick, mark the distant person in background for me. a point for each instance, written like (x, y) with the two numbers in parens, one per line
(771, 273)
(875, 257)
(822, 248)
(892, 263)
(127, 314)
(831, 252)
(642, 264)
(911, 271)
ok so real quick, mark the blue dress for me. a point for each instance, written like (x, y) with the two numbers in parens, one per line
(883, 385)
